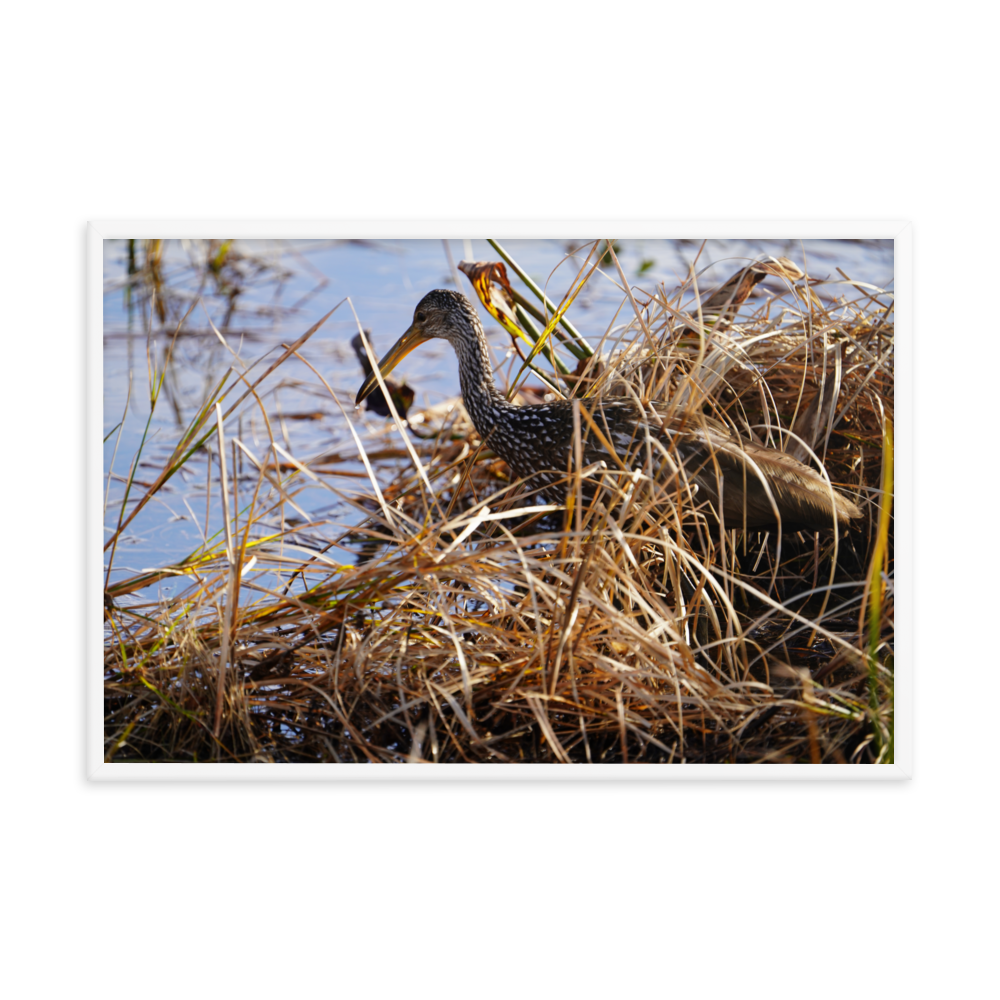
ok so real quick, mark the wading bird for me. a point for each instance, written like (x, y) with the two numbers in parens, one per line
(749, 485)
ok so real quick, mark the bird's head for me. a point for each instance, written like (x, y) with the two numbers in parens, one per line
(439, 314)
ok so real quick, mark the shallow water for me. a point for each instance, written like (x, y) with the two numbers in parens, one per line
(286, 287)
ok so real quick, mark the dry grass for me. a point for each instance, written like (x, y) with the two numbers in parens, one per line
(461, 624)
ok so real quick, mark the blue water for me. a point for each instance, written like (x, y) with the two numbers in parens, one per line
(383, 281)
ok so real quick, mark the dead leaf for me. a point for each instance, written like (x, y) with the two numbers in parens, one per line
(489, 278)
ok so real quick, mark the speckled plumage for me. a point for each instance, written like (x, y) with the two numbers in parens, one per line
(537, 441)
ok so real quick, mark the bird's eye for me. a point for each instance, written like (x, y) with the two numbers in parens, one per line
(421, 317)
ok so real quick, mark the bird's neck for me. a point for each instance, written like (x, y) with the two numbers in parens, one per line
(482, 399)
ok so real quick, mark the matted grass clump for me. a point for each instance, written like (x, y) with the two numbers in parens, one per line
(460, 622)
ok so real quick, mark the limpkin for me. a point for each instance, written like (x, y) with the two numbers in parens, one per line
(754, 486)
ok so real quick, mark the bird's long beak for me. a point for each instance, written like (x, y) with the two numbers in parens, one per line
(397, 352)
